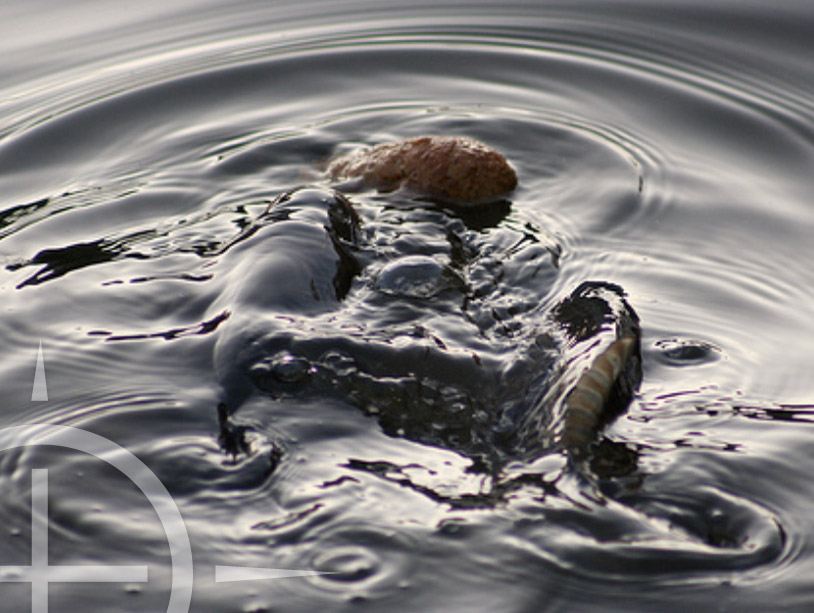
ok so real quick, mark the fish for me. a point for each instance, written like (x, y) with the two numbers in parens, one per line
(299, 261)
(593, 379)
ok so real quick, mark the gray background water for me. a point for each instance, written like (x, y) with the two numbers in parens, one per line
(664, 146)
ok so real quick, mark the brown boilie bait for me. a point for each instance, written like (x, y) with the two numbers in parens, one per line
(454, 168)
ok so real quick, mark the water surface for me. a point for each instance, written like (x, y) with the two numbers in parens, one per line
(662, 146)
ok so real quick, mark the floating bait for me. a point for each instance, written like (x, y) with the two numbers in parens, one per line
(454, 168)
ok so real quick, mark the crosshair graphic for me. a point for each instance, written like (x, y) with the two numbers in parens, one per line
(40, 574)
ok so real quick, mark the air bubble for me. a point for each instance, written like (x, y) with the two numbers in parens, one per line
(689, 352)
(415, 276)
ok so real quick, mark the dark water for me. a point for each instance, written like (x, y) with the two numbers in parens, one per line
(666, 147)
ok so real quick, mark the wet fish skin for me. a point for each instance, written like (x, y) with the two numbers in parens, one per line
(586, 404)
